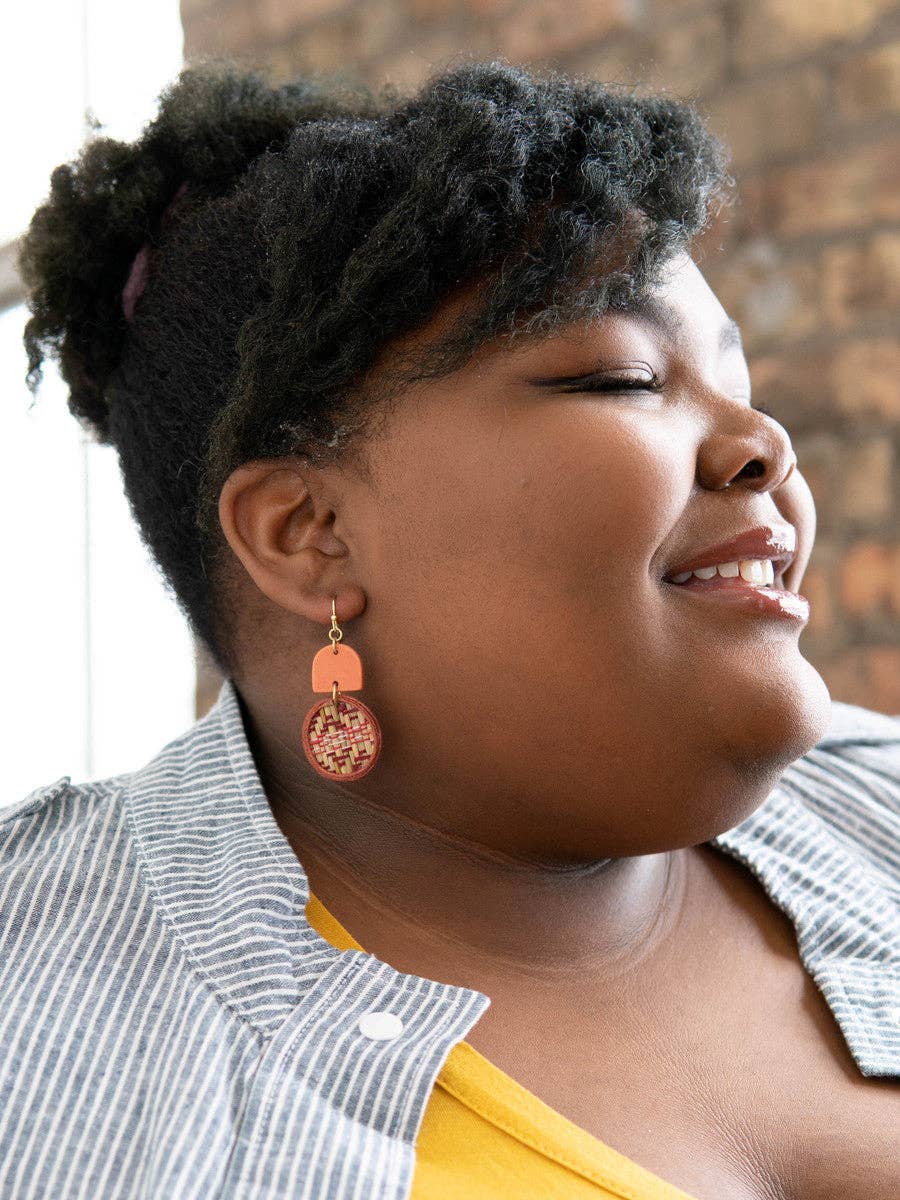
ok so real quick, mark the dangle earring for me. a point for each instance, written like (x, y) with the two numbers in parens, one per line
(341, 736)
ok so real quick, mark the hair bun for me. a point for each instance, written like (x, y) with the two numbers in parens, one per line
(91, 240)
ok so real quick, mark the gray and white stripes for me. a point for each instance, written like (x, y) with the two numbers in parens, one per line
(172, 1026)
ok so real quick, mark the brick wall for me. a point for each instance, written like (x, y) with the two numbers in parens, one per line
(807, 94)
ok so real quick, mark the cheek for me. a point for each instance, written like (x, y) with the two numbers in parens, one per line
(509, 545)
(563, 503)
(607, 492)
(547, 547)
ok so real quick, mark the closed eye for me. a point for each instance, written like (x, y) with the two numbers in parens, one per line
(619, 383)
(615, 383)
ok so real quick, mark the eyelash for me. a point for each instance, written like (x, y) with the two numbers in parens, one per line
(639, 385)
(619, 385)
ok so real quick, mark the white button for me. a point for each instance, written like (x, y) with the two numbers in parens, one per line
(894, 1014)
(380, 1025)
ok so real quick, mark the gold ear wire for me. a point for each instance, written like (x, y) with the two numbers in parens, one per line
(335, 632)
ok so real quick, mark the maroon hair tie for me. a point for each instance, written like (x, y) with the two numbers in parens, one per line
(140, 267)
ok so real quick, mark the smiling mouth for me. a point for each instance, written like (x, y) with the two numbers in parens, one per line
(759, 569)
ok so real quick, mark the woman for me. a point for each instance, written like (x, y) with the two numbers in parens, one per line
(430, 388)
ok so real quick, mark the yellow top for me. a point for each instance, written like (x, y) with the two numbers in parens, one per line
(486, 1137)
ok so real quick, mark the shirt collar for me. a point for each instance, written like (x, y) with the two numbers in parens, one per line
(230, 884)
(236, 893)
(820, 874)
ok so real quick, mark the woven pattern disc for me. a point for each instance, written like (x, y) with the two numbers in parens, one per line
(341, 740)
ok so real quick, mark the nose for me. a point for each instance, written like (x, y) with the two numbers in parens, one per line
(759, 455)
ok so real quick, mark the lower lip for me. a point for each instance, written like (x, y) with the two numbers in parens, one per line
(764, 601)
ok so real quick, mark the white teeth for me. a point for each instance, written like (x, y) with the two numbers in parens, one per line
(754, 571)
(760, 571)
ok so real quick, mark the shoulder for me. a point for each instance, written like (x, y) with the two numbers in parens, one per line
(850, 781)
(56, 819)
(65, 839)
(66, 864)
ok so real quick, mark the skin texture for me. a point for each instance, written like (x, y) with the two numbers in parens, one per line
(560, 730)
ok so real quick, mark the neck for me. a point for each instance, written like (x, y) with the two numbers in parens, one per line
(405, 885)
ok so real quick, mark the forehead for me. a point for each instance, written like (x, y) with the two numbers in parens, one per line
(680, 315)
(686, 310)
(681, 312)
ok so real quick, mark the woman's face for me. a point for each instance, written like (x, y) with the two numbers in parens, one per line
(533, 672)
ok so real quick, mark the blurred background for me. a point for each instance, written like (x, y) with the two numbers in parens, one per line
(98, 666)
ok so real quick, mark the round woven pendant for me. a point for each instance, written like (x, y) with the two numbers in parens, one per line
(341, 739)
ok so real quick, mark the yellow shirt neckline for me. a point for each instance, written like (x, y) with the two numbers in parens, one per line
(500, 1099)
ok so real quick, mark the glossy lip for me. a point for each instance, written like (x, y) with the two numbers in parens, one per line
(779, 544)
(762, 600)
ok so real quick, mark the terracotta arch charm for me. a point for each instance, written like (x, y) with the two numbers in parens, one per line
(345, 668)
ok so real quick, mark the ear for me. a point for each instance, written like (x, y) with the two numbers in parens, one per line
(284, 537)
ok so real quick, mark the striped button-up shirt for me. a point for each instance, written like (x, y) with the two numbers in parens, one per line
(172, 1026)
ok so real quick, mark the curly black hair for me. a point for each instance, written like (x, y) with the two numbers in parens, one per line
(320, 220)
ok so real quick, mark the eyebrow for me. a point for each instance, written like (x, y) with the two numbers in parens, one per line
(730, 335)
(664, 315)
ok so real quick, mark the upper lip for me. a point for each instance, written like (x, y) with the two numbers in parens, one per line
(775, 542)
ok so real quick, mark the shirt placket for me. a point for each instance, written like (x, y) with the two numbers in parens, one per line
(340, 1090)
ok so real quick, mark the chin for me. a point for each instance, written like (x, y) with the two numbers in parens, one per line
(750, 746)
(785, 718)
(779, 728)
